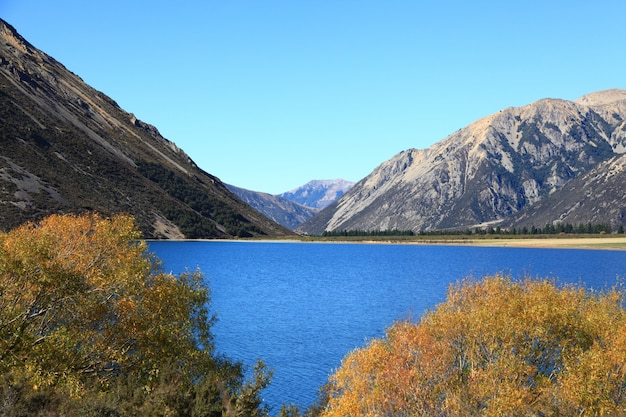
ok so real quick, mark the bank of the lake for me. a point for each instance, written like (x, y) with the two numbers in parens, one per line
(601, 242)
(569, 241)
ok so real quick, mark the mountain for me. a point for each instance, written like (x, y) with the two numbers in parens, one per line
(318, 193)
(561, 158)
(286, 212)
(596, 197)
(65, 147)
(295, 207)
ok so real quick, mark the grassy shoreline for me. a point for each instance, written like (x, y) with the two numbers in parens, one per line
(600, 241)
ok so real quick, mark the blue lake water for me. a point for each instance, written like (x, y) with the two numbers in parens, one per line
(301, 307)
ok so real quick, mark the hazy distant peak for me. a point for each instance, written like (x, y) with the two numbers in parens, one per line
(318, 193)
(286, 212)
(337, 183)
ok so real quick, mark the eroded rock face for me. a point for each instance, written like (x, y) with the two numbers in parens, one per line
(486, 172)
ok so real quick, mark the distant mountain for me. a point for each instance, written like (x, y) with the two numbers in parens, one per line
(552, 160)
(65, 147)
(293, 208)
(286, 212)
(318, 193)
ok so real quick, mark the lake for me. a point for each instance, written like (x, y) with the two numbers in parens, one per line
(301, 307)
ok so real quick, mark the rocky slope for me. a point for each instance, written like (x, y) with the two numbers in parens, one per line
(599, 196)
(495, 170)
(65, 147)
(283, 211)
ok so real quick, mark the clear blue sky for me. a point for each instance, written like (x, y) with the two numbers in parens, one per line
(268, 95)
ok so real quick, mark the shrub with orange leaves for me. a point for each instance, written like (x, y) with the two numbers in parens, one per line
(87, 315)
(80, 296)
(495, 347)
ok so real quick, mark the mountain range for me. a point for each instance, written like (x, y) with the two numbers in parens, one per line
(550, 161)
(66, 147)
(286, 212)
(293, 208)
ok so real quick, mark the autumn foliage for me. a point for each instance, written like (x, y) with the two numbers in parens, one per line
(495, 347)
(90, 324)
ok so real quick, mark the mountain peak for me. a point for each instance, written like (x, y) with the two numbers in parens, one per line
(318, 194)
(601, 98)
(488, 171)
(337, 183)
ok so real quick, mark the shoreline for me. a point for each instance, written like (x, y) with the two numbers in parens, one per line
(608, 243)
(564, 242)
(613, 243)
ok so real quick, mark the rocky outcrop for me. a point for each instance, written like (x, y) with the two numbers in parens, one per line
(487, 172)
(66, 147)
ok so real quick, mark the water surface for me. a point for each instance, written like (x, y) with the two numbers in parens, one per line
(302, 306)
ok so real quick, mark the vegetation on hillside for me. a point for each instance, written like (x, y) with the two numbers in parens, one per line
(196, 224)
(494, 347)
(90, 325)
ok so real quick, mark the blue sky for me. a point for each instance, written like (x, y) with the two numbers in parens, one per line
(268, 95)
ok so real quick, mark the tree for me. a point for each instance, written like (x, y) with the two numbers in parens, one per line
(88, 316)
(248, 402)
(494, 347)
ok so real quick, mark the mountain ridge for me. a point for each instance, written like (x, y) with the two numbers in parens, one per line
(487, 171)
(67, 147)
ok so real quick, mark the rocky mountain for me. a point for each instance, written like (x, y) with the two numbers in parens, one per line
(295, 207)
(286, 212)
(65, 147)
(552, 160)
(599, 196)
(318, 193)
